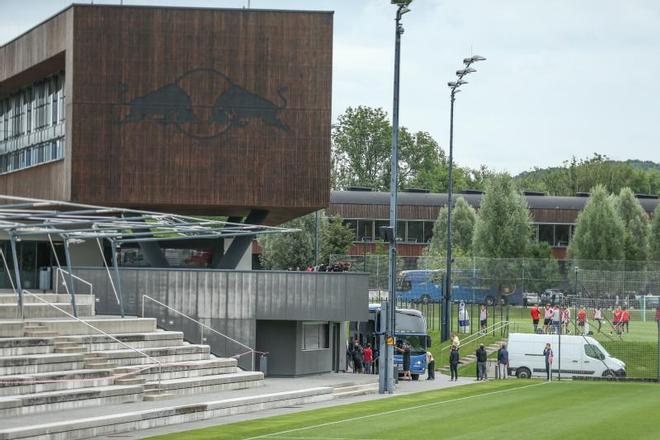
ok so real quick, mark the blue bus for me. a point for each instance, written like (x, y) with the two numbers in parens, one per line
(411, 329)
(427, 286)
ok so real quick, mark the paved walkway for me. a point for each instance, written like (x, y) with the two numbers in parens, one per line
(278, 384)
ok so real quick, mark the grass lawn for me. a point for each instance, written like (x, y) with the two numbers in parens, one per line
(512, 409)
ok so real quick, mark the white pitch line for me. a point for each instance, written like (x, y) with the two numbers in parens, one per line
(394, 411)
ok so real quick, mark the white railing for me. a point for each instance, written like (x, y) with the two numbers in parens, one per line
(249, 350)
(142, 353)
(67, 273)
(498, 326)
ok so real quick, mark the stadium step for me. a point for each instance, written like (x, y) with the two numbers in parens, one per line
(354, 390)
(114, 420)
(54, 381)
(207, 384)
(205, 367)
(40, 310)
(62, 298)
(40, 363)
(65, 399)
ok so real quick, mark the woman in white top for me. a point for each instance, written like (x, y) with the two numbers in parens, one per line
(483, 318)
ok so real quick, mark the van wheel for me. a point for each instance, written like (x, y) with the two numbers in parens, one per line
(503, 300)
(490, 301)
(425, 299)
(523, 373)
(609, 374)
(415, 376)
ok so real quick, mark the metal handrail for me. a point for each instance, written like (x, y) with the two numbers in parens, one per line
(481, 333)
(156, 361)
(251, 350)
(57, 278)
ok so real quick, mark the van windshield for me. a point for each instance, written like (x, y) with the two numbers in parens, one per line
(593, 351)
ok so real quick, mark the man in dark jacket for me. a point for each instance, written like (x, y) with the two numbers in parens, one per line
(453, 362)
(502, 362)
(482, 357)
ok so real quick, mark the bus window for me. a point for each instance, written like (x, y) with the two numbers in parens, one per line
(404, 284)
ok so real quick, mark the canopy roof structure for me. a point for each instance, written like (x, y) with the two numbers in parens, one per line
(23, 218)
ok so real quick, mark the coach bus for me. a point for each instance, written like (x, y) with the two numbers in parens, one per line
(410, 328)
(427, 286)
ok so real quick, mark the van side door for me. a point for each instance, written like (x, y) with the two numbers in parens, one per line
(591, 360)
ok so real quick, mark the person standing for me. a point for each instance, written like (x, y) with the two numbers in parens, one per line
(582, 319)
(657, 314)
(536, 316)
(357, 357)
(430, 366)
(502, 362)
(565, 319)
(547, 319)
(598, 317)
(549, 357)
(406, 361)
(368, 357)
(483, 318)
(556, 320)
(482, 357)
(453, 362)
(625, 319)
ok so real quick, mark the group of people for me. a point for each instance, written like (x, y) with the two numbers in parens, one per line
(360, 359)
(502, 367)
(556, 319)
(339, 266)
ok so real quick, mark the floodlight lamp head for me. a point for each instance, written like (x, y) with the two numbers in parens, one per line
(464, 72)
(473, 59)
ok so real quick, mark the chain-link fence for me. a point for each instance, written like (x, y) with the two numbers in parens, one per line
(609, 311)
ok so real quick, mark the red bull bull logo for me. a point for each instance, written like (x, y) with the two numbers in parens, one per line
(206, 103)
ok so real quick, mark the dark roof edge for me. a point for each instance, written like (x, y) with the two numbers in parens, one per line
(158, 7)
(36, 26)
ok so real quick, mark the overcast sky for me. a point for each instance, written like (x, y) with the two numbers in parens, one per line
(563, 77)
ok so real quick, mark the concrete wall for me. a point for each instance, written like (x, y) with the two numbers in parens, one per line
(278, 339)
(232, 302)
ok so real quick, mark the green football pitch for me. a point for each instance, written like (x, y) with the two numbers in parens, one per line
(512, 409)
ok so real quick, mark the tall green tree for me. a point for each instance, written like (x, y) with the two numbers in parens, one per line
(502, 234)
(463, 218)
(361, 148)
(654, 241)
(599, 230)
(336, 239)
(636, 226)
(503, 226)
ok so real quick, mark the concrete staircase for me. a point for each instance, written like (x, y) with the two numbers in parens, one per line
(470, 358)
(51, 364)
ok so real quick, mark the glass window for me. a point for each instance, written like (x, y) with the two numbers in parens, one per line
(593, 352)
(416, 232)
(401, 231)
(546, 233)
(562, 235)
(379, 224)
(352, 225)
(365, 230)
(316, 335)
(428, 231)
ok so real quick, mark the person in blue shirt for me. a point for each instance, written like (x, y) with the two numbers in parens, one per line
(502, 362)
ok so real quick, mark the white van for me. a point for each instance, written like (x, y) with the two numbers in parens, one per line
(580, 356)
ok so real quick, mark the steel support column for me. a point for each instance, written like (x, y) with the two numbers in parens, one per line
(17, 271)
(69, 268)
(115, 248)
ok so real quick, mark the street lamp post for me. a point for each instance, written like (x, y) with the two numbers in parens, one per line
(386, 373)
(454, 85)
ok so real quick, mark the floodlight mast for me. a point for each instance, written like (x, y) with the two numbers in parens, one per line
(386, 366)
(446, 297)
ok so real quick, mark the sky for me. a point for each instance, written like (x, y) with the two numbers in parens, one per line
(562, 78)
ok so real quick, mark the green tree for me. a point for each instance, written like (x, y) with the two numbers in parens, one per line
(636, 226)
(503, 227)
(599, 231)
(502, 234)
(336, 238)
(289, 250)
(654, 241)
(463, 218)
(361, 148)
